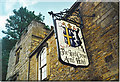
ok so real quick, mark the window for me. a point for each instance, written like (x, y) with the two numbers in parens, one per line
(17, 56)
(15, 77)
(42, 64)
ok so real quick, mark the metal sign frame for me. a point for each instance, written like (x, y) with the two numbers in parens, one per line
(60, 55)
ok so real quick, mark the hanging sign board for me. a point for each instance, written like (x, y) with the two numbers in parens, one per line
(71, 48)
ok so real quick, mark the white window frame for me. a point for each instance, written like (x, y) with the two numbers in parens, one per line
(44, 66)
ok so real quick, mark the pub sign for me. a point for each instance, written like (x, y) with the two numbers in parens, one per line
(71, 48)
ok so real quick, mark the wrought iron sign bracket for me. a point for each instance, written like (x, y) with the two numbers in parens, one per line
(66, 13)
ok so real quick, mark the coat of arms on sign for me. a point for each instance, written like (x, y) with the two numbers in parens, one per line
(71, 36)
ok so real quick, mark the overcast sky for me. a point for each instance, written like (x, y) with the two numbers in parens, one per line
(43, 6)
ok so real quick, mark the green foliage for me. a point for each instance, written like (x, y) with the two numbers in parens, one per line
(18, 22)
(7, 45)
(47, 27)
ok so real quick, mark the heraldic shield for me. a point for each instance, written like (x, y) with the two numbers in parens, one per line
(71, 48)
(71, 37)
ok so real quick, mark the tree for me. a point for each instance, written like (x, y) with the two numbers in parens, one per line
(7, 45)
(15, 26)
(19, 22)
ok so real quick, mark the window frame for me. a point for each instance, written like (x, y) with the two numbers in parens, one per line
(40, 68)
(17, 54)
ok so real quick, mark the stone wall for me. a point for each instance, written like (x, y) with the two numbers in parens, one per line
(28, 42)
(11, 64)
(101, 38)
(33, 68)
(101, 41)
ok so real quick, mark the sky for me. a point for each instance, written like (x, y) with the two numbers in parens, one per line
(39, 6)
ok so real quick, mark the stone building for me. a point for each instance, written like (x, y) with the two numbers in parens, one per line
(19, 55)
(35, 56)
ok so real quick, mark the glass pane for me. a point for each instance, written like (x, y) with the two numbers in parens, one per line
(45, 61)
(42, 63)
(43, 57)
(44, 72)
